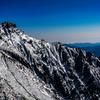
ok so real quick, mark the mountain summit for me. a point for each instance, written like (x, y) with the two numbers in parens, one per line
(32, 69)
(8, 24)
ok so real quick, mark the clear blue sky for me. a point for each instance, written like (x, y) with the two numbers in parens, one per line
(66, 21)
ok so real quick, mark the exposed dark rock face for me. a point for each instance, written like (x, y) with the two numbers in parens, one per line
(8, 24)
(59, 72)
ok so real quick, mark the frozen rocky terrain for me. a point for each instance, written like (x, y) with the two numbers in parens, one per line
(32, 69)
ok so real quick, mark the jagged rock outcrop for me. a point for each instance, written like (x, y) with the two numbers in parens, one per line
(32, 69)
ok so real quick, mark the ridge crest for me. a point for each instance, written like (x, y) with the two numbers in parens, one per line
(8, 24)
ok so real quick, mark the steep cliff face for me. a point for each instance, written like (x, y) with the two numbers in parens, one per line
(32, 69)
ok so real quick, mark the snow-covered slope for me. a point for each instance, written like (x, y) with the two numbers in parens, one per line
(32, 69)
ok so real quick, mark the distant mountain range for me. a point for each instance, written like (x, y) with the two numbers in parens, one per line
(83, 44)
(88, 47)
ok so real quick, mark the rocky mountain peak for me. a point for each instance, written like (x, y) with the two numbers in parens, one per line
(32, 69)
(8, 24)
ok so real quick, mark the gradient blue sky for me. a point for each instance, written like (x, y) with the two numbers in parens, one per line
(66, 21)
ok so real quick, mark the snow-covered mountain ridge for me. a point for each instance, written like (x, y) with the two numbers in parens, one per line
(32, 69)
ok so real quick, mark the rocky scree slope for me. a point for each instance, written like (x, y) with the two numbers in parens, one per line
(32, 69)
